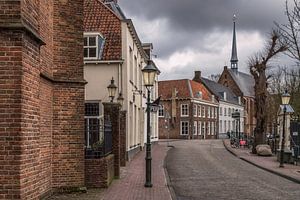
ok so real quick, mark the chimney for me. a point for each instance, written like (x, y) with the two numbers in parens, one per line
(197, 76)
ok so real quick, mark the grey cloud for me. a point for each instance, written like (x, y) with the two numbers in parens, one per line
(190, 22)
(194, 15)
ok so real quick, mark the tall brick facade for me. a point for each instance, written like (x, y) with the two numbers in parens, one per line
(41, 97)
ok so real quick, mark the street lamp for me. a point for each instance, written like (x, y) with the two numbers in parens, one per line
(285, 98)
(149, 73)
(112, 88)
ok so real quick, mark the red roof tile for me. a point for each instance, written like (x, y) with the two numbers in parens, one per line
(183, 88)
(199, 87)
(99, 18)
(165, 88)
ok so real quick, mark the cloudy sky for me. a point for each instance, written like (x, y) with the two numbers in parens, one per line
(193, 35)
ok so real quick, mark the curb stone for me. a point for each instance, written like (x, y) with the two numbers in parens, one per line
(295, 180)
(171, 189)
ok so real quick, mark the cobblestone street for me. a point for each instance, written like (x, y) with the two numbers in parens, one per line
(205, 170)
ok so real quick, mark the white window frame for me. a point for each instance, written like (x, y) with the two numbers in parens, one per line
(181, 126)
(208, 111)
(96, 35)
(199, 110)
(101, 121)
(203, 111)
(195, 128)
(186, 109)
(225, 111)
(199, 128)
(161, 109)
(203, 128)
(208, 128)
(220, 126)
(212, 127)
(195, 110)
(221, 111)
(216, 112)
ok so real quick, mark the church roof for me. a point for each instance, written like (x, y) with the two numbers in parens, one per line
(244, 81)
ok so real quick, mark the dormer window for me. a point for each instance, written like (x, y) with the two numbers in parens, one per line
(199, 94)
(93, 46)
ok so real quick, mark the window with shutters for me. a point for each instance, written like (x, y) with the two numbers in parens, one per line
(93, 46)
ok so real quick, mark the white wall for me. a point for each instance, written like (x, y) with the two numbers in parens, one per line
(98, 77)
(230, 122)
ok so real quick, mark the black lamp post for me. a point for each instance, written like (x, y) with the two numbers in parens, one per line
(285, 98)
(149, 73)
(112, 88)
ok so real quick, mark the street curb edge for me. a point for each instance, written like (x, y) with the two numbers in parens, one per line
(261, 167)
(171, 189)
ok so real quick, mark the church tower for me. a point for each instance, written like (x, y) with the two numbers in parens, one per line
(234, 58)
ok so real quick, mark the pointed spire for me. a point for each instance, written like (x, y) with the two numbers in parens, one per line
(234, 58)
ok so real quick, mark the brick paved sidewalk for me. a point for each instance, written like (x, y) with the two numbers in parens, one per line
(291, 172)
(131, 184)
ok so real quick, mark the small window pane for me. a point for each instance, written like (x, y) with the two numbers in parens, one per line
(85, 54)
(92, 41)
(92, 52)
(91, 109)
(85, 41)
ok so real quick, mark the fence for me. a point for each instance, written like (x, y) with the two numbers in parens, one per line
(103, 146)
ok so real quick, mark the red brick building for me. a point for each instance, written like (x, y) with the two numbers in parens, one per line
(41, 97)
(188, 110)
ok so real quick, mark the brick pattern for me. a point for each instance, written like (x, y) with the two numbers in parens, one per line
(228, 81)
(99, 18)
(41, 120)
(112, 111)
(10, 12)
(10, 113)
(68, 95)
(173, 130)
(185, 95)
(99, 173)
(123, 118)
(30, 14)
(250, 122)
(68, 40)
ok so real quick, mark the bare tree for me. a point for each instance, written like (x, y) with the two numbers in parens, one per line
(290, 32)
(258, 65)
(214, 77)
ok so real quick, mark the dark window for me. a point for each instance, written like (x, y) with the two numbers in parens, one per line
(93, 124)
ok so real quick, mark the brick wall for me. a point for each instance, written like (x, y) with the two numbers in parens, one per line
(99, 173)
(10, 113)
(41, 97)
(173, 130)
(228, 81)
(123, 118)
(10, 12)
(68, 95)
(112, 112)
